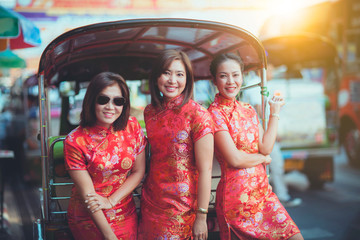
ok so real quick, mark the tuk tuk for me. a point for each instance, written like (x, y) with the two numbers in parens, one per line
(306, 71)
(127, 47)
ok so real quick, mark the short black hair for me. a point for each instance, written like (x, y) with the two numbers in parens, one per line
(96, 86)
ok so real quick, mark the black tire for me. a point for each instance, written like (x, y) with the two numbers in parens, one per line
(351, 142)
(319, 170)
(316, 184)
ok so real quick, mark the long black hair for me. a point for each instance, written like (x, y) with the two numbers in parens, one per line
(161, 64)
(219, 59)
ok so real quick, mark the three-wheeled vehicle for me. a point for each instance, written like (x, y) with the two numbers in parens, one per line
(127, 47)
(306, 72)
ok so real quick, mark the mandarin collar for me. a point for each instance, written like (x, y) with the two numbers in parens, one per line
(101, 130)
(225, 101)
(173, 103)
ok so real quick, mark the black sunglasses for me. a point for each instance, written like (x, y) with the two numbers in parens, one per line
(118, 101)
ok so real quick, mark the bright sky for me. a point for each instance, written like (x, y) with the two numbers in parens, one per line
(253, 20)
(250, 18)
(286, 6)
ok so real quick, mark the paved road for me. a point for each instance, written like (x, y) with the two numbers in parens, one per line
(334, 212)
(22, 208)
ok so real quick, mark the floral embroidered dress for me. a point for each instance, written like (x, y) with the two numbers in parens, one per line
(108, 156)
(245, 203)
(169, 194)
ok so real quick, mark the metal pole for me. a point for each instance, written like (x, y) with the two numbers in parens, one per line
(264, 100)
(48, 111)
(43, 137)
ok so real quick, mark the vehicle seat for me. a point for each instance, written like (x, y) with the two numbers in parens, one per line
(59, 181)
(59, 186)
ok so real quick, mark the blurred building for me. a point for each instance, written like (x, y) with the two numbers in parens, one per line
(339, 22)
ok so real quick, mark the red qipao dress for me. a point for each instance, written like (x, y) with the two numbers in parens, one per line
(245, 203)
(169, 194)
(108, 156)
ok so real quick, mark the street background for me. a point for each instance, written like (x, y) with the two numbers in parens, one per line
(331, 212)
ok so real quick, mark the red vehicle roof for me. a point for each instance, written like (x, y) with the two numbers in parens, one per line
(129, 47)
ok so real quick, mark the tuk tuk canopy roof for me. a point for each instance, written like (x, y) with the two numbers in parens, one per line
(305, 49)
(129, 47)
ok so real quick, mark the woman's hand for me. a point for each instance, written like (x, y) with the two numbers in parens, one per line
(95, 202)
(200, 230)
(267, 160)
(276, 103)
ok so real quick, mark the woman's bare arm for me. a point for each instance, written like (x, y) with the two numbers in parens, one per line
(267, 139)
(84, 184)
(235, 157)
(204, 154)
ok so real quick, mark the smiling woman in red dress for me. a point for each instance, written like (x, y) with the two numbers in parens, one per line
(176, 191)
(106, 160)
(246, 207)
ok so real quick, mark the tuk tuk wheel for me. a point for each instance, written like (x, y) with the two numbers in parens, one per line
(352, 146)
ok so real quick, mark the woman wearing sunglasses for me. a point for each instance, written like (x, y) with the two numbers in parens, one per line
(105, 158)
(176, 192)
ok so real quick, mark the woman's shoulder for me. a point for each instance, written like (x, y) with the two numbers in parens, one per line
(193, 104)
(196, 107)
(149, 109)
(133, 123)
(246, 105)
(213, 105)
(218, 112)
(247, 109)
(133, 119)
(75, 131)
